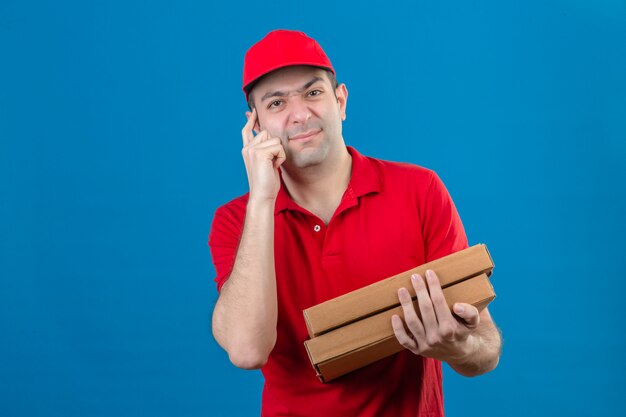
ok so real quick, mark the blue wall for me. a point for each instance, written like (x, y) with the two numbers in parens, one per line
(120, 136)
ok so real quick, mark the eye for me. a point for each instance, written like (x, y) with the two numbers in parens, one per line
(314, 93)
(274, 104)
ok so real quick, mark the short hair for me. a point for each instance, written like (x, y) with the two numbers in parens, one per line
(331, 77)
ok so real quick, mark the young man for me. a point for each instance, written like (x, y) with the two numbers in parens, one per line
(321, 220)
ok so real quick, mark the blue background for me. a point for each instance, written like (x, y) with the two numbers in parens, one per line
(120, 136)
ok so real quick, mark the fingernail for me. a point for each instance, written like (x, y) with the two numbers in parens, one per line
(414, 277)
(403, 293)
(458, 309)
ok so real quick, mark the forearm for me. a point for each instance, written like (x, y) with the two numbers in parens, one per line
(482, 351)
(245, 315)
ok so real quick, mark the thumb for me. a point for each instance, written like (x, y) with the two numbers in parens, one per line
(468, 313)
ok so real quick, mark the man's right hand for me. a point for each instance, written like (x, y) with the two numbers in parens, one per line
(262, 155)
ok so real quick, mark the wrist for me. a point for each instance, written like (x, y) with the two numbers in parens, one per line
(466, 350)
(260, 203)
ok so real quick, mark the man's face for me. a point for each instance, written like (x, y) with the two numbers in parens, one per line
(300, 106)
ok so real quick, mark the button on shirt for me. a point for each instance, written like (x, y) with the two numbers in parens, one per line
(392, 217)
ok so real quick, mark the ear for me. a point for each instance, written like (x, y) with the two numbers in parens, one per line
(342, 98)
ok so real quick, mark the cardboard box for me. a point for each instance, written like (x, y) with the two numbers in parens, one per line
(382, 295)
(363, 342)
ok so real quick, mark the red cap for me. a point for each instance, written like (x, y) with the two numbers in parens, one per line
(278, 49)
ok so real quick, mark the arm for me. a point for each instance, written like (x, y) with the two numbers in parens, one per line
(245, 315)
(244, 318)
(470, 344)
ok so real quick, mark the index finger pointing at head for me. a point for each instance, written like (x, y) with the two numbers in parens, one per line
(246, 132)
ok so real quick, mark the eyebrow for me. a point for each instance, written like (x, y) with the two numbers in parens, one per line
(282, 93)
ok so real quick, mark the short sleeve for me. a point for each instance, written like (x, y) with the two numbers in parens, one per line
(224, 240)
(442, 228)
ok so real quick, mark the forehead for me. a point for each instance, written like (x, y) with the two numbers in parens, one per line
(287, 79)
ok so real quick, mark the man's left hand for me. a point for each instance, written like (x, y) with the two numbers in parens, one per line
(438, 334)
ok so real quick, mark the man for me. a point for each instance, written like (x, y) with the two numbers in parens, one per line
(321, 220)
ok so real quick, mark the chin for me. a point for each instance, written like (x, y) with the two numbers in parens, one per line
(309, 157)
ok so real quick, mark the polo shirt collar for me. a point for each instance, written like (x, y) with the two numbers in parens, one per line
(364, 179)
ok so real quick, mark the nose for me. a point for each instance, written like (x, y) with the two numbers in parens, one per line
(300, 112)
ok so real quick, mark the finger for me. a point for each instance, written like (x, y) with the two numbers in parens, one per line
(442, 311)
(425, 305)
(256, 129)
(271, 151)
(262, 136)
(403, 337)
(255, 123)
(246, 132)
(268, 136)
(468, 313)
(264, 141)
(410, 316)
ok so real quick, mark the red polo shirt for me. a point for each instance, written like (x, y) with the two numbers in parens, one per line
(392, 217)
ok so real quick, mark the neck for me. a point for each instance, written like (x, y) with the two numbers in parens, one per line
(319, 188)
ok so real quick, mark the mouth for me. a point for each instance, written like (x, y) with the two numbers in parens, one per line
(306, 135)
